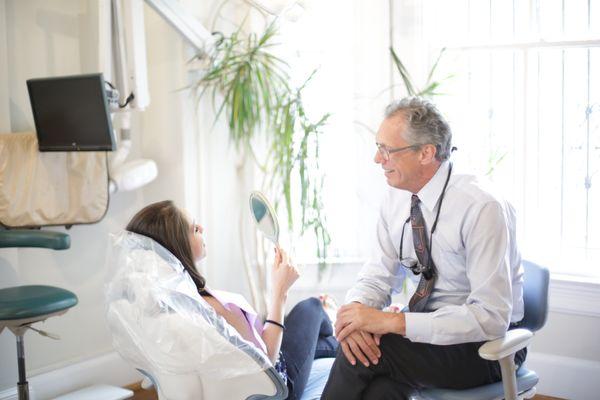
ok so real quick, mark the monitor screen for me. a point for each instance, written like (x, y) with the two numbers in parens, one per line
(71, 113)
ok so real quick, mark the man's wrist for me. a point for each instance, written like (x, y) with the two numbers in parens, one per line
(397, 323)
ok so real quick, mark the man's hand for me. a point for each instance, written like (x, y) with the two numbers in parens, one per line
(358, 317)
(361, 345)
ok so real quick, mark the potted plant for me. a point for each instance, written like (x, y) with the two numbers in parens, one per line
(249, 84)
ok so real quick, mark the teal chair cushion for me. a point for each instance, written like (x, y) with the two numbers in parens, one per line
(525, 380)
(34, 238)
(22, 302)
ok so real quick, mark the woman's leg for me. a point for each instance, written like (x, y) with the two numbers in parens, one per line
(305, 326)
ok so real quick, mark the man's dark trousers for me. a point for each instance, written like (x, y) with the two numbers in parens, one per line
(405, 366)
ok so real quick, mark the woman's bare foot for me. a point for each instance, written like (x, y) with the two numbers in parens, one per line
(330, 306)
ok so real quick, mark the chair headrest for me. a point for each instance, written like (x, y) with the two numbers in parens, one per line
(159, 321)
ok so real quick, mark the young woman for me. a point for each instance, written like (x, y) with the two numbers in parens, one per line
(292, 343)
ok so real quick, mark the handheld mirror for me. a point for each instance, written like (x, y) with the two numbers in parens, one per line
(264, 216)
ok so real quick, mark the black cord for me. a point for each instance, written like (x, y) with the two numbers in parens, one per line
(428, 273)
(127, 100)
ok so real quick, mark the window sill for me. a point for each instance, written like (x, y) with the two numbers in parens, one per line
(575, 295)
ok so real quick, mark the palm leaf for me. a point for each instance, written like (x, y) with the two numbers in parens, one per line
(403, 73)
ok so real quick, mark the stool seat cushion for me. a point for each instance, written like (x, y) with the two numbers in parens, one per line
(526, 379)
(21, 302)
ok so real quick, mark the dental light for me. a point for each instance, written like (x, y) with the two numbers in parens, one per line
(128, 51)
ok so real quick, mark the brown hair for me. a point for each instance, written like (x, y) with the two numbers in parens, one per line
(168, 225)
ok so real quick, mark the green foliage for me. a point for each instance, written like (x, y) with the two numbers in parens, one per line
(430, 90)
(250, 81)
(251, 86)
(431, 87)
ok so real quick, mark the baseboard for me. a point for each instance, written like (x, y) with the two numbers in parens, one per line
(565, 377)
(562, 377)
(108, 369)
(9, 394)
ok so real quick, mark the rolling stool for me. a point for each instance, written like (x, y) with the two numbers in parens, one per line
(22, 306)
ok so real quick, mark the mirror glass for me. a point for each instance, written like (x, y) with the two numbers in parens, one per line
(264, 216)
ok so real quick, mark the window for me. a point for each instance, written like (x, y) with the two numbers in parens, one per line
(524, 105)
(523, 102)
(347, 41)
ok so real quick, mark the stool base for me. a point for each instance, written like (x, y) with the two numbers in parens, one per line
(23, 390)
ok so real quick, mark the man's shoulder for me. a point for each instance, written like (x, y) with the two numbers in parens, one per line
(473, 189)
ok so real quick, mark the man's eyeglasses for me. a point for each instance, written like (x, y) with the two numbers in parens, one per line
(385, 151)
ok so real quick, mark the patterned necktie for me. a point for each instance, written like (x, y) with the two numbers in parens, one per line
(419, 299)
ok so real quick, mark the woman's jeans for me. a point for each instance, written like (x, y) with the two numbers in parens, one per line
(308, 335)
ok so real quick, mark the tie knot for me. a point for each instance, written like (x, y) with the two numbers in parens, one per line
(415, 200)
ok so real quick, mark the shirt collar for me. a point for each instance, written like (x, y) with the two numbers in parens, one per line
(430, 193)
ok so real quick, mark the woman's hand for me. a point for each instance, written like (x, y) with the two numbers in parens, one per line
(283, 274)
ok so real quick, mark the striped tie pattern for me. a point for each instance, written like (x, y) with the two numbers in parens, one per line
(419, 299)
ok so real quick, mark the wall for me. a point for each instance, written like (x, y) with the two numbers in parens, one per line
(43, 39)
(40, 38)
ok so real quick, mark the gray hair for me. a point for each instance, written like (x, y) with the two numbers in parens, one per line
(425, 124)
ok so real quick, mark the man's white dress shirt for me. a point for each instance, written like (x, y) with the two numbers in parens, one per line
(479, 287)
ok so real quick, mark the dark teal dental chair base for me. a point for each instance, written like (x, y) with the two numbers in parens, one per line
(22, 306)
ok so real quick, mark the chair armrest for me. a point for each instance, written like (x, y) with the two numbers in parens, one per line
(512, 342)
(34, 238)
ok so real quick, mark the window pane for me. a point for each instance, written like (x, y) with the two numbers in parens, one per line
(594, 152)
(576, 17)
(477, 133)
(523, 19)
(595, 17)
(440, 27)
(502, 121)
(550, 17)
(479, 16)
(546, 152)
(575, 152)
(501, 20)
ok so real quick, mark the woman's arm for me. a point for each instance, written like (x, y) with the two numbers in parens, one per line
(283, 277)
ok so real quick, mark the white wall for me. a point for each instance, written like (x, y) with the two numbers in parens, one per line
(41, 38)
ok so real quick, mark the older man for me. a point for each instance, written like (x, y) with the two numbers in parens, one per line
(458, 239)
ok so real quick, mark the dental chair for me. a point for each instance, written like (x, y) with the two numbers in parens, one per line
(22, 306)
(515, 384)
(163, 328)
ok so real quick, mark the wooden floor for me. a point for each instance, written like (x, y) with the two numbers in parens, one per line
(141, 394)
